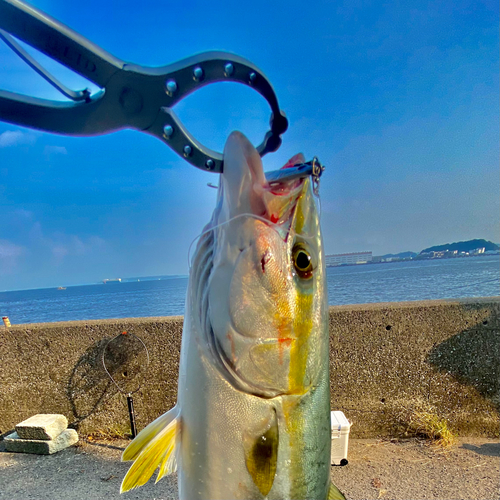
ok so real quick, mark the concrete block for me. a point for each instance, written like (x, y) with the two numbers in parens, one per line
(14, 443)
(42, 426)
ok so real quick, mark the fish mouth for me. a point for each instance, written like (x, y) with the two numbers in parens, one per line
(246, 189)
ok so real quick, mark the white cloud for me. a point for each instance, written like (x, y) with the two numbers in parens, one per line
(63, 246)
(58, 150)
(59, 251)
(9, 255)
(23, 214)
(8, 249)
(60, 246)
(15, 138)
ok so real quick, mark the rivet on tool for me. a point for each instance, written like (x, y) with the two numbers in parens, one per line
(209, 164)
(198, 74)
(187, 150)
(228, 69)
(252, 76)
(168, 130)
(171, 87)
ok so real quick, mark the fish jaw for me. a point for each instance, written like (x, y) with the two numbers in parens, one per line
(243, 181)
(265, 316)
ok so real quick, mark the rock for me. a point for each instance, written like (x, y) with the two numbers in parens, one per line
(14, 443)
(42, 426)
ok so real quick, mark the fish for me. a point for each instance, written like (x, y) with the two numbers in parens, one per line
(252, 418)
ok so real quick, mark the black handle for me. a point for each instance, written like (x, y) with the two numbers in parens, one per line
(131, 413)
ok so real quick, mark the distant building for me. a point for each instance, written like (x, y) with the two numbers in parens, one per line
(446, 254)
(477, 251)
(348, 258)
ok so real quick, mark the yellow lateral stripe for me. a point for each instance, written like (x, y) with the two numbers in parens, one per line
(148, 460)
(300, 349)
(147, 434)
(302, 328)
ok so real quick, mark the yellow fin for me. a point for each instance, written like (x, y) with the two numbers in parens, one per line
(168, 465)
(147, 434)
(334, 493)
(153, 446)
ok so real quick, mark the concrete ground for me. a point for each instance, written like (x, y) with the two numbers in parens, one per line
(405, 470)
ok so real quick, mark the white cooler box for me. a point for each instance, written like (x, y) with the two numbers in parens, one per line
(340, 438)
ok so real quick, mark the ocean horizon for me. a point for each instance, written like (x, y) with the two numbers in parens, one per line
(165, 295)
(101, 282)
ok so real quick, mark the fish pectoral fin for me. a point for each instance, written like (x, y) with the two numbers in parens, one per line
(261, 454)
(154, 446)
(334, 493)
(133, 450)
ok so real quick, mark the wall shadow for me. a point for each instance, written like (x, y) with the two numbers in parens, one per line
(89, 385)
(104, 445)
(473, 358)
(486, 449)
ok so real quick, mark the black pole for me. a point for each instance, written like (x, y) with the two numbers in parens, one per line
(130, 403)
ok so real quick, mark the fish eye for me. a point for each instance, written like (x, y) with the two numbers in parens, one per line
(302, 261)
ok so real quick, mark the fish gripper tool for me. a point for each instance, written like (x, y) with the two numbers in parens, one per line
(130, 95)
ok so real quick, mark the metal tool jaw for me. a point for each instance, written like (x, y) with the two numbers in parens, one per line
(131, 96)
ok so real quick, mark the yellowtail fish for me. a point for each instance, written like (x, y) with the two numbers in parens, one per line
(252, 419)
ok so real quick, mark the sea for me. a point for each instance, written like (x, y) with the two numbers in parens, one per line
(164, 296)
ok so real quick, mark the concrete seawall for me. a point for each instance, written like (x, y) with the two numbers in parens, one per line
(386, 360)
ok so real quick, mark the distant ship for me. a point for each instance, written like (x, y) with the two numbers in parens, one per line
(113, 280)
(61, 288)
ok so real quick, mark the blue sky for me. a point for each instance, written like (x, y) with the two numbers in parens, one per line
(399, 100)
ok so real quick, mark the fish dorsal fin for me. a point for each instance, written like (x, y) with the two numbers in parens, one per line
(154, 446)
(334, 493)
(261, 454)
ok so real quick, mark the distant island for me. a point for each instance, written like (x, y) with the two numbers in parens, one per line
(468, 248)
(448, 250)
(463, 246)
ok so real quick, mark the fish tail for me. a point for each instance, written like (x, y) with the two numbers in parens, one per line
(334, 493)
(154, 446)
